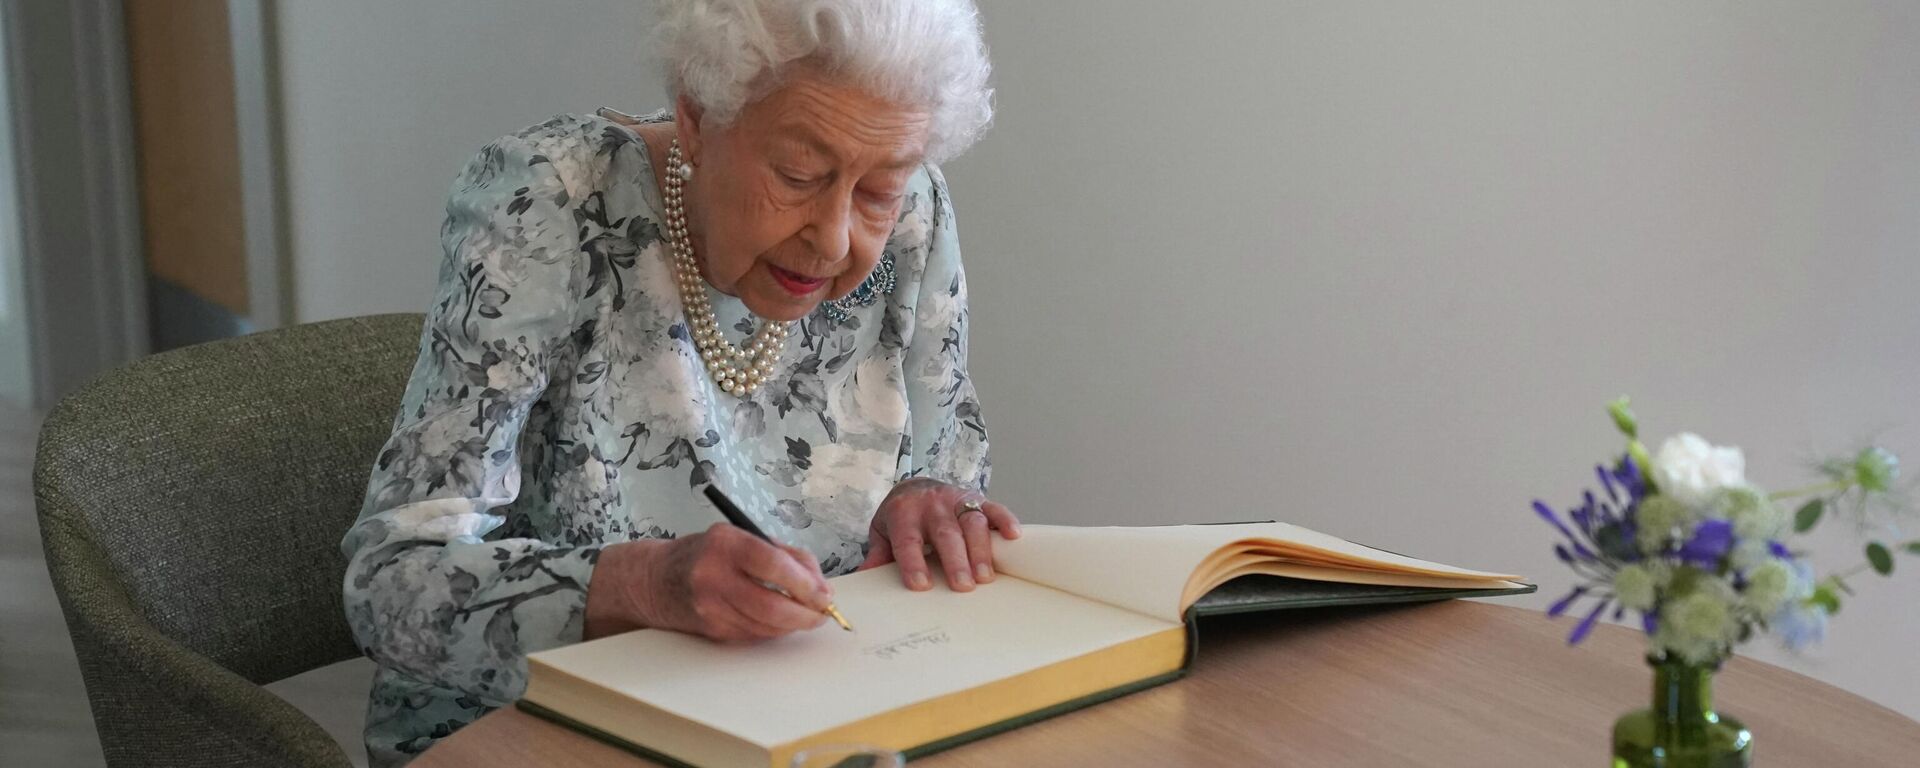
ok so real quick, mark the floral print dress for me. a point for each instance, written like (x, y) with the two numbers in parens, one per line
(558, 406)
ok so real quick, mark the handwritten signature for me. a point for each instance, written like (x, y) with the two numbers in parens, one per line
(894, 648)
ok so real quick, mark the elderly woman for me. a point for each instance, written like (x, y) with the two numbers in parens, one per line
(761, 290)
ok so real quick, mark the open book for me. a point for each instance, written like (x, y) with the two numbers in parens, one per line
(1076, 616)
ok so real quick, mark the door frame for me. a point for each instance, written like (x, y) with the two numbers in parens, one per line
(256, 106)
(82, 261)
(79, 236)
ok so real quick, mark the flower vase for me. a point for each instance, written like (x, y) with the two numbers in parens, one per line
(1681, 729)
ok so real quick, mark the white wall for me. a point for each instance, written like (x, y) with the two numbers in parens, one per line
(383, 103)
(1376, 267)
(1370, 267)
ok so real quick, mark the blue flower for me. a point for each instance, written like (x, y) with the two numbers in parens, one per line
(1709, 545)
(1799, 625)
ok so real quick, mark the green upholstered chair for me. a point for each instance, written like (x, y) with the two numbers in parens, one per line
(191, 505)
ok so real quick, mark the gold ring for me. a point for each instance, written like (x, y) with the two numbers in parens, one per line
(970, 505)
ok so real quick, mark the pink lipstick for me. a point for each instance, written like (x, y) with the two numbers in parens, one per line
(795, 283)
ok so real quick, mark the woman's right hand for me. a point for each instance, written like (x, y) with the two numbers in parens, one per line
(710, 584)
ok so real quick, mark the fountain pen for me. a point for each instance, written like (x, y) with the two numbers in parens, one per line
(740, 520)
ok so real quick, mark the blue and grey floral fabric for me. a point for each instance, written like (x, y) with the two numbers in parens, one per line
(558, 406)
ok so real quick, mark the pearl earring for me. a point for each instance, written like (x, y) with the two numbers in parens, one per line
(738, 370)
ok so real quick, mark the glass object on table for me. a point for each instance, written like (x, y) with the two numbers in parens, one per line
(1682, 729)
(847, 756)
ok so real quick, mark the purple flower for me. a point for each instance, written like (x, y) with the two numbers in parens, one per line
(1626, 475)
(1711, 542)
(1599, 536)
(1578, 541)
(1586, 625)
(1560, 606)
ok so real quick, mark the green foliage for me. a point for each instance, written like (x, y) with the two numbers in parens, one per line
(1808, 515)
(1826, 597)
(1623, 418)
(1880, 558)
(1645, 462)
(1685, 581)
(1875, 469)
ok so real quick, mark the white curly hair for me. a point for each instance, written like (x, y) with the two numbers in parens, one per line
(724, 54)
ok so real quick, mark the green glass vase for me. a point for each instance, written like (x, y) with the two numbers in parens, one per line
(1681, 729)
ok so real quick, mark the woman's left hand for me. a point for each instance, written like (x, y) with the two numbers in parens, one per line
(922, 516)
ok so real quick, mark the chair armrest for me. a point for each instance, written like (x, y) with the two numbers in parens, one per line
(156, 702)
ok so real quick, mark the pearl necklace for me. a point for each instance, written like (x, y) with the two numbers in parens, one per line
(738, 371)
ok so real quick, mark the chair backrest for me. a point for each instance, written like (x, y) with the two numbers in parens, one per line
(212, 485)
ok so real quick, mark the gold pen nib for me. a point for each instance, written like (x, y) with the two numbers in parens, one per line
(839, 619)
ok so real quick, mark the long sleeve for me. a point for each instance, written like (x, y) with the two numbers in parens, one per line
(432, 590)
(949, 438)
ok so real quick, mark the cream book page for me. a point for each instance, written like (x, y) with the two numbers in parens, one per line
(1146, 569)
(908, 647)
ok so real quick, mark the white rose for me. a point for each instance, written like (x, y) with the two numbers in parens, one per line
(1693, 471)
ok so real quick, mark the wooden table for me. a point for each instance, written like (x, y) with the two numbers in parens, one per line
(1450, 684)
